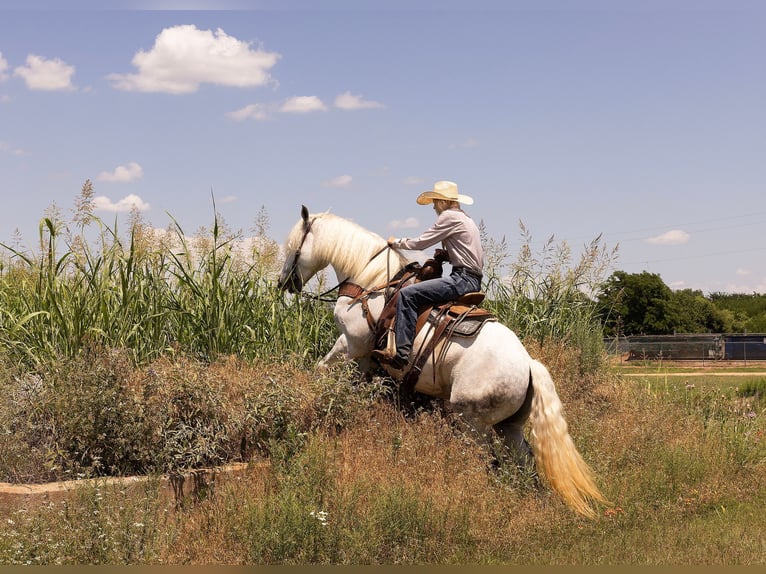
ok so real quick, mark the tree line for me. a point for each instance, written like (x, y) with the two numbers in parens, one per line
(641, 304)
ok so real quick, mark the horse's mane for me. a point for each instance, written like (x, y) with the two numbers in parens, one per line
(349, 248)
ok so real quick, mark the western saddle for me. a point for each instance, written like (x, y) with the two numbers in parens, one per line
(459, 318)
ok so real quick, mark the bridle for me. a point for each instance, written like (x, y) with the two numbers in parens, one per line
(307, 223)
(306, 230)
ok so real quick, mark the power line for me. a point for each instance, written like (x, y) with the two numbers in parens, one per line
(709, 254)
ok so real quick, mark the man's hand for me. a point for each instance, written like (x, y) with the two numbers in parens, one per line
(391, 240)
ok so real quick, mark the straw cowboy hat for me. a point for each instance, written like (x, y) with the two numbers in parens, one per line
(444, 190)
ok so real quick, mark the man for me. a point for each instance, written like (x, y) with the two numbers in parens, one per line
(460, 237)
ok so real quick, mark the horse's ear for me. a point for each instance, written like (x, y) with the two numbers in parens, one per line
(305, 214)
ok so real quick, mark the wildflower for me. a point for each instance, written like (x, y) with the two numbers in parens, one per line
(321, 516)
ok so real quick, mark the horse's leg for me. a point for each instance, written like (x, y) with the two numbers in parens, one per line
(511, 430)
(342, 350)
(477, 430)
(338, 351)
(512, 433)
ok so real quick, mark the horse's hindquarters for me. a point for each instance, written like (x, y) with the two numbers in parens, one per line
(485, 377)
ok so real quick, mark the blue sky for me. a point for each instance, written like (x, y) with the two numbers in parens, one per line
(641, 121)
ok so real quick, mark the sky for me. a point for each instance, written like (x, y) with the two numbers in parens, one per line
(643, 123)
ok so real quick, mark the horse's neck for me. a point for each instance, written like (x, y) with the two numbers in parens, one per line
(374, 275)
(359, 257)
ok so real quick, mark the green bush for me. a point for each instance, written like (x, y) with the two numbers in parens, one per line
(97, 415)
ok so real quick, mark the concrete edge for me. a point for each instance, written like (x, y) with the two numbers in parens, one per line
(171, 488)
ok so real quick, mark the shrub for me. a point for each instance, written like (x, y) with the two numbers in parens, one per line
(99, 415)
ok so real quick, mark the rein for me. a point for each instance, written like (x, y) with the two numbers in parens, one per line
(358, 292)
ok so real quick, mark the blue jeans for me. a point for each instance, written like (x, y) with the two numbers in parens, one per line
(431, 292)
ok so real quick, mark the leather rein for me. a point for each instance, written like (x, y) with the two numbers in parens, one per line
(345, 287)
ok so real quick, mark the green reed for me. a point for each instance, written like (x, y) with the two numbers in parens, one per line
(152, 293)
(546, 296)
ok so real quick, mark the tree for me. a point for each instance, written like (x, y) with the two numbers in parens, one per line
(641, 304)
(696, 314)
(748, 310)
(636, 303)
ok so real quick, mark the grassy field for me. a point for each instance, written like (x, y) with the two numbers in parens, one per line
(365, 478)
(160, 353)
(727, 376)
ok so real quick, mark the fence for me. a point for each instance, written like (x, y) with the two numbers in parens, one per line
(702, 347)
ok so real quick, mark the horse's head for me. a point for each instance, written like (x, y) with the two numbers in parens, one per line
(299, 266)
(323, 239)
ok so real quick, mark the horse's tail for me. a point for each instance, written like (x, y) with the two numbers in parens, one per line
(555, 453)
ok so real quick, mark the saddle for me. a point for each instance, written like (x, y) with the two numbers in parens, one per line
(459, 318)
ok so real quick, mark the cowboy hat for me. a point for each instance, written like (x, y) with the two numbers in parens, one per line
(443, 190)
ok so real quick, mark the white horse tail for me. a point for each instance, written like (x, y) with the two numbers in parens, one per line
(555, 453)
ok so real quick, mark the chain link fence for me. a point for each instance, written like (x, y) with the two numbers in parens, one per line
(705, 347)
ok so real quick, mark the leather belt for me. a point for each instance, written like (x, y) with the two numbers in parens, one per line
(468, 271)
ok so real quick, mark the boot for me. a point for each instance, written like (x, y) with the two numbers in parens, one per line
(385, 357)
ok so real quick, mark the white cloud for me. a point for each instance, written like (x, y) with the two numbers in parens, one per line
(413, 180)
(42, 74)
(251, 112)
(349, 101)
(340, 181)
(467, 144)
(122, 174)
(673, 237)
(5, 147)
(736, 287)
(302, 105)
(741, 271)
(228, 199)
(184, 57)
(127, 203)
(295, 105)
(408, 223)
(3, 68)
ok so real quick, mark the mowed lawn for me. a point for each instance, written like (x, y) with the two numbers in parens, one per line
(721, 374)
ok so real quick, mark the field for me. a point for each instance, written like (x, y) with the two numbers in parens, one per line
(158, 354)
(362, 475)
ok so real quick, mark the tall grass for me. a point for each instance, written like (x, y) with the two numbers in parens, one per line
(213, 293)
(165, 351)
(546, 297)
(156, 292)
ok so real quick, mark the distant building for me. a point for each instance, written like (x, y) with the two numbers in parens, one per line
(745, 347)
(693, 347)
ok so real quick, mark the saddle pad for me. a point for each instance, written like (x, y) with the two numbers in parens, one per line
(467, 327)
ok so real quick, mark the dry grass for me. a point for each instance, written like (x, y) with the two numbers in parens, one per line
(372, 481)
(356, 475)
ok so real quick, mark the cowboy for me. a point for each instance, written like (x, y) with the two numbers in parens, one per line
(460, 237)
